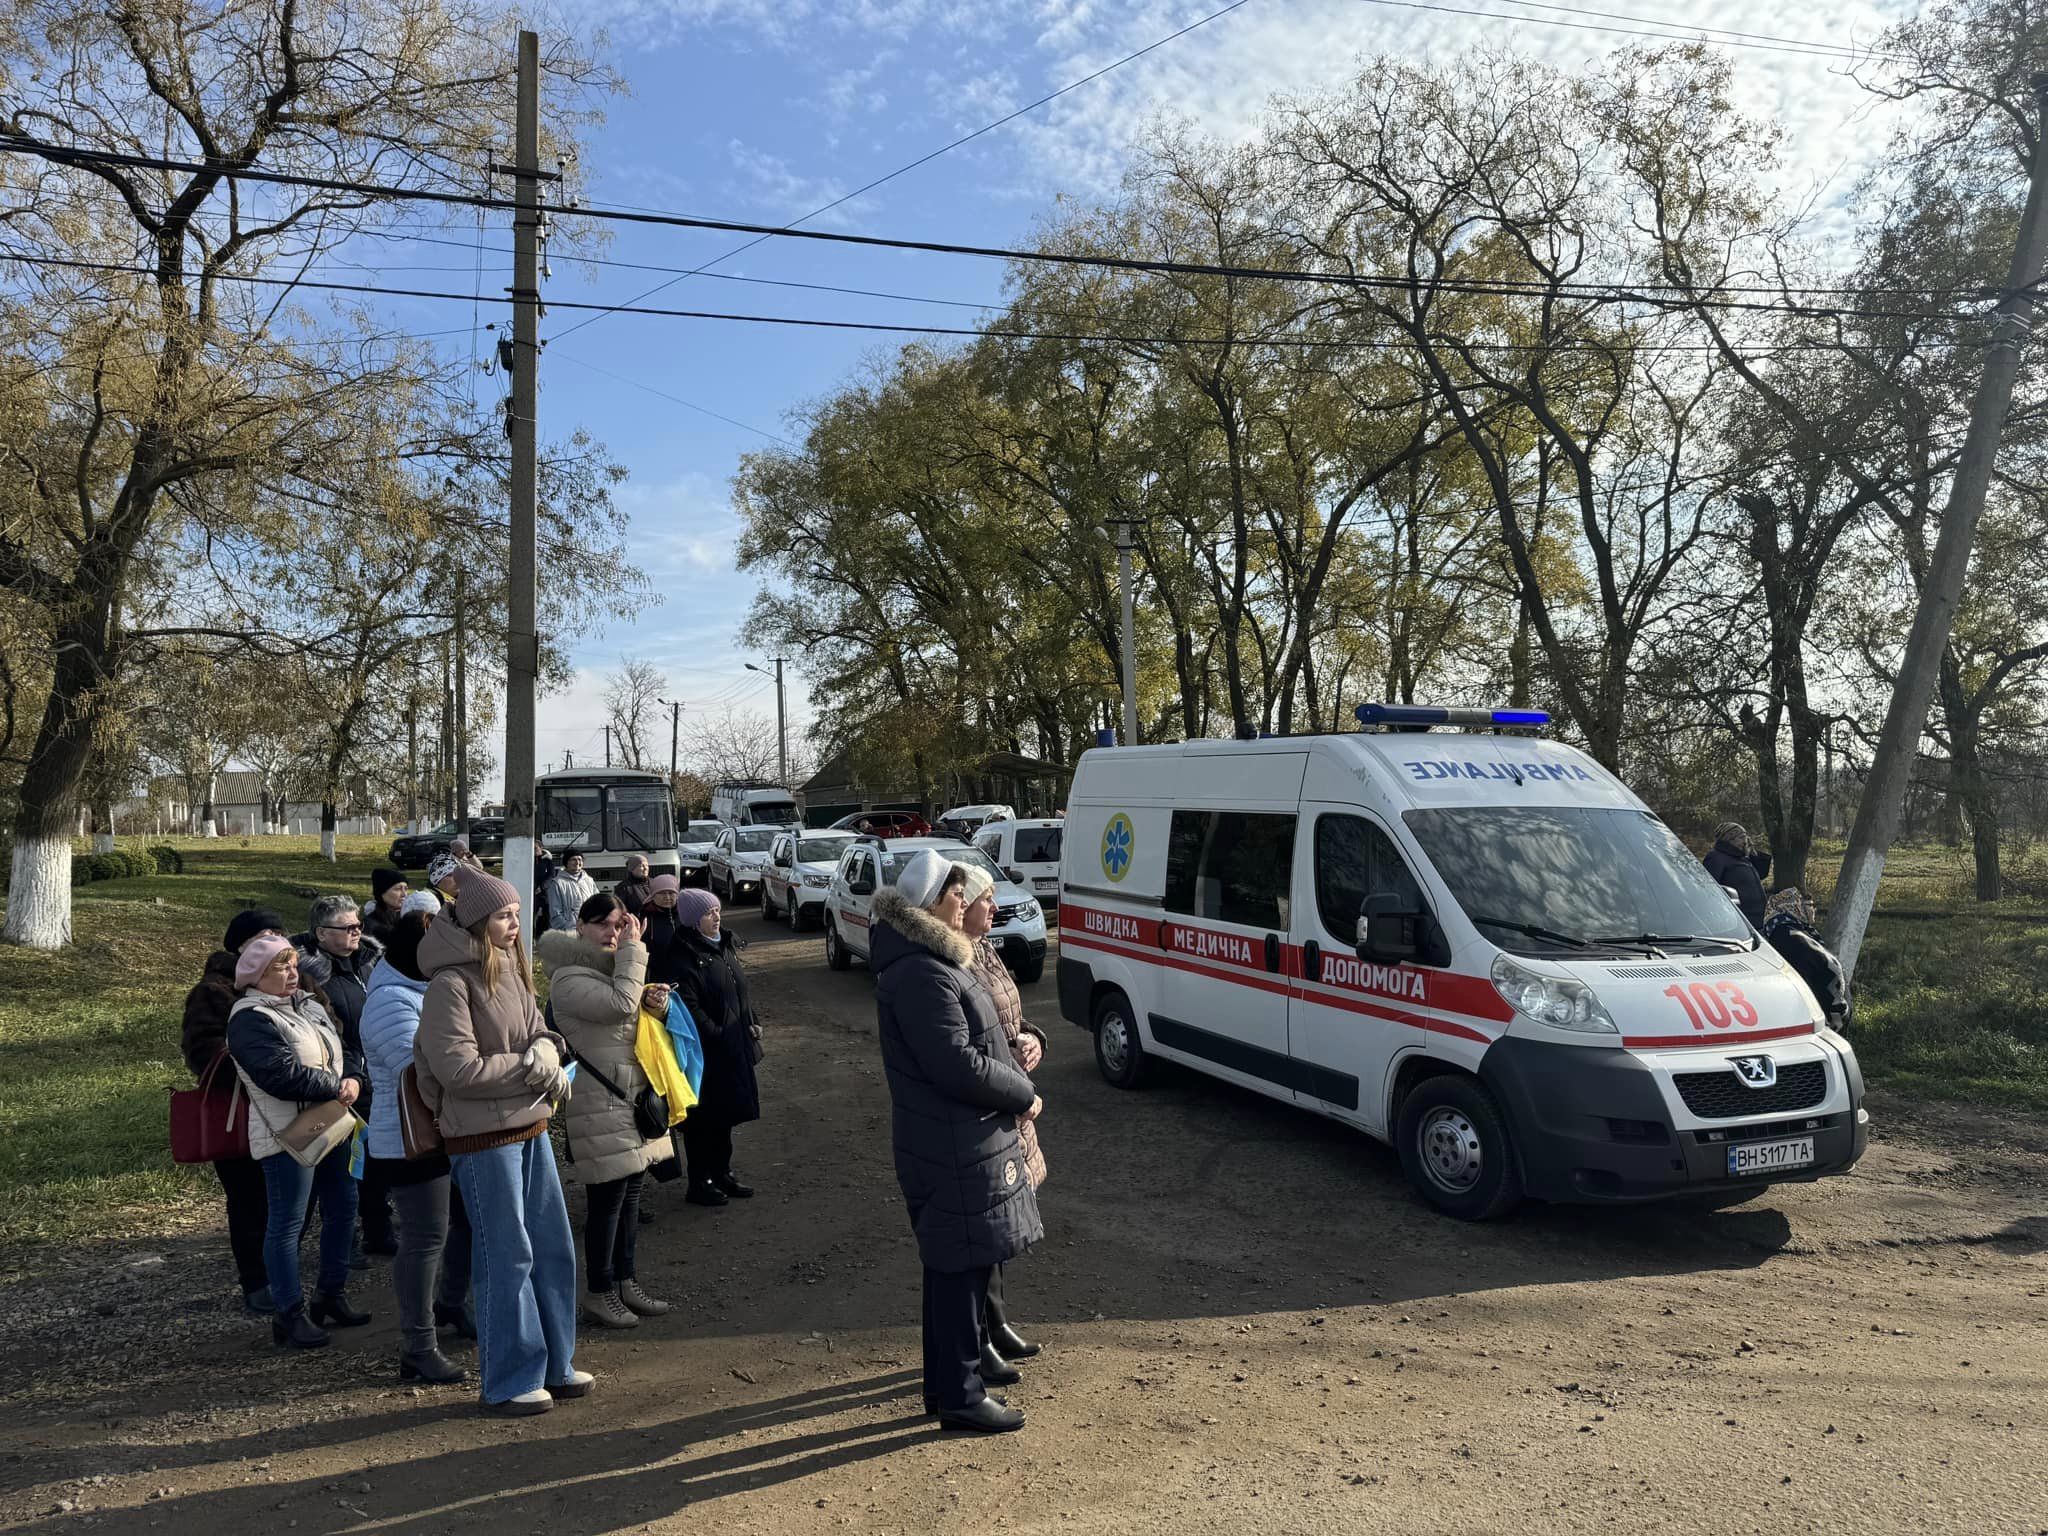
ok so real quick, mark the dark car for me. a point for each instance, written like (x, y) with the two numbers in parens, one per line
(416, 850)
(885, 824)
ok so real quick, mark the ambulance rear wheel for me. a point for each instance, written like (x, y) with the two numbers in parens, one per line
(836, 957)
(1119, 1052)
(1457, 1152)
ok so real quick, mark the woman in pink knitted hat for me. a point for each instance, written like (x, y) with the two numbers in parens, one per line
(704, 965)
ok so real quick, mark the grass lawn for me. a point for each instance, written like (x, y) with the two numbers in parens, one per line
(1953, 1008)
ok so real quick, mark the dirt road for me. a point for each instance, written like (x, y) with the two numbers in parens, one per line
(1250, 1324)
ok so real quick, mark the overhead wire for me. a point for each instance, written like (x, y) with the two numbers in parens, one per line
(993, 333)
(1757, 41)
(1591, 291)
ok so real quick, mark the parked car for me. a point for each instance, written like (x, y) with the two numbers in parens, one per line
(416, 850)
(884, 824)
(966, 820)
(870, 864)
(737, 859)
(694, 845)
(1028, 851)
(798, 873)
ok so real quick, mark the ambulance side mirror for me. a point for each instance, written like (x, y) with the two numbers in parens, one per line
(1388, 932)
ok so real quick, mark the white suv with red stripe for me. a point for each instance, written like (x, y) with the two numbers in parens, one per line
(1478, 946)
(871, 863)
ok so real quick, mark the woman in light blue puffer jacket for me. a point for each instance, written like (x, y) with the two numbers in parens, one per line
(431, 1272)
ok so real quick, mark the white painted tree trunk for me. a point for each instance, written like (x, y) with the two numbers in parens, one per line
(103, 842)
(209, 828)
(327, 844)
(39, 898)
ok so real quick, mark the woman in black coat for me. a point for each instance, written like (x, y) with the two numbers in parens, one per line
(703, 964)
(1732, 864)
(957, 1095)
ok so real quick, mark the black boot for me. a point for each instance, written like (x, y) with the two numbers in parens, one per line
(431, 1366)
(332, 1307)
(1010, 1344)
(733, 1187)
(292, 1329)
(988, 1416)
(457, 1318)
(705, 1192)
(995, 1371)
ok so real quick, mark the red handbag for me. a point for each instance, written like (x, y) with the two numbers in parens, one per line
(206, 1124)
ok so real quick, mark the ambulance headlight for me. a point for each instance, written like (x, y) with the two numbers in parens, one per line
(1553, 1000)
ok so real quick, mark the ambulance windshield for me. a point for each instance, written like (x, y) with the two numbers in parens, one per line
(1551, 880)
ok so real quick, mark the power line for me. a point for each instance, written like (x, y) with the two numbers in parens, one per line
(926, 159)
(692, 405)
(884, 327)
(1594, 292)
(1757, 41)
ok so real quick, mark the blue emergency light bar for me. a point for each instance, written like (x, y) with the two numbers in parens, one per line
(1430, 714)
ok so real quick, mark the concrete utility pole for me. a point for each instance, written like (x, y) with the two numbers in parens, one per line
(781, 721)
(522, 629)
(412, 765)
(607, 746)
(444, 766)
(461, 711)
(1124, 545)
(1891, 767)
(675, 731)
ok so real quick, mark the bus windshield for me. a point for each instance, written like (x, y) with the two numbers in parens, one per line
(1553, 879)
(615, 818)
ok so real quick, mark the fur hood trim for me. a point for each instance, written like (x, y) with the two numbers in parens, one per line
(922, 929)
(558, 947)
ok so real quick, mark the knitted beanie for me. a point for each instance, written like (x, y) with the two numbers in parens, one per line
(662, 883)
(924, 877)
(420, 901)
(692, 906)
(979, 883)
(244, 926)
(381, 880)
(478, 894)
(257, 957)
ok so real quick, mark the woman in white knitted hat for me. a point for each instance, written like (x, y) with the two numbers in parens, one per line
(958, 1097)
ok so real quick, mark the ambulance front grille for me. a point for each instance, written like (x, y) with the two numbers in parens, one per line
(1723, 1096)
(1724, 968)
(1643, 972)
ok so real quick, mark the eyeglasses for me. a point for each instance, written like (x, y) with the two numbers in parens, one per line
(341, 927)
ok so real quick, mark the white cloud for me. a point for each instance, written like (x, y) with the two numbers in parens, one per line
(768, 181)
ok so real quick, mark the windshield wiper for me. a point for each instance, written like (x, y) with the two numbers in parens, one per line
(1659, 939)
(626, 831)
(1549, 935)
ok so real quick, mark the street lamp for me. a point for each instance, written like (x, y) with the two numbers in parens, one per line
(781, 720)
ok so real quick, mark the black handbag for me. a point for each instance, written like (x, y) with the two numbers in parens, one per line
(650, 1109)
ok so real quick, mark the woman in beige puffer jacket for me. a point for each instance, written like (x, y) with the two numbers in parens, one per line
(596, 974)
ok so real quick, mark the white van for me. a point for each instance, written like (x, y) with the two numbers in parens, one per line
(1027, 851)
(752, 803)
(1479, 947)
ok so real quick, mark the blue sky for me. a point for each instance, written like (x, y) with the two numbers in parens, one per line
(760, 110)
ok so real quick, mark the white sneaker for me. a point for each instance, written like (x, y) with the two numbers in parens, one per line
(524, 1405)
(576, 1384)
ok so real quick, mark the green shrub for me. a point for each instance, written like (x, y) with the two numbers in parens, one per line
(167, 859)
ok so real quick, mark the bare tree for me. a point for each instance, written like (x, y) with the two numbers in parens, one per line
(733, 745)
(632, 705)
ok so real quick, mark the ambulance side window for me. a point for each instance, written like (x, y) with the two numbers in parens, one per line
(1354, 860)
(1232, 866)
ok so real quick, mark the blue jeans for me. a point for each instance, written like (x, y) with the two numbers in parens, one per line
(524, 1277)
(289, 1185)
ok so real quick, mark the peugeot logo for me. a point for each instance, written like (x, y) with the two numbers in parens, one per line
(1755, 1071)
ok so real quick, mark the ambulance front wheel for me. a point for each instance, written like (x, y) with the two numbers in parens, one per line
(1119, 1052)
(1457, 1152)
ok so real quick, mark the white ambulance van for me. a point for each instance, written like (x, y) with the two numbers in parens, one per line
(1478, 946)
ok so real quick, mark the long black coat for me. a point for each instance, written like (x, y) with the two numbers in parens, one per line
(1744, 874)
(664, 941)
(956, 1093)
(713, 986)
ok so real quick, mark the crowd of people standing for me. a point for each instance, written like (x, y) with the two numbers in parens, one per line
(402, 1079)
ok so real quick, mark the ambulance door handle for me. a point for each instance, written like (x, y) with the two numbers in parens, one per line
(1273, 953)
(1312, 961)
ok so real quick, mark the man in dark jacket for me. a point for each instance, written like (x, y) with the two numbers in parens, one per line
(1731, 864)
(957, 1094)
(1788, 927)
(204, 1040)
(335, 959)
